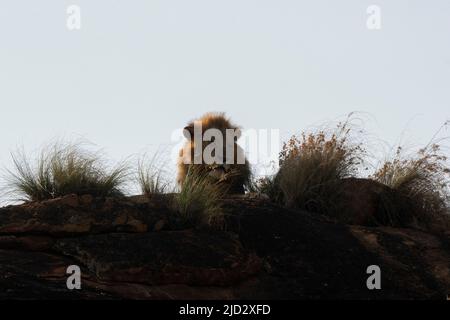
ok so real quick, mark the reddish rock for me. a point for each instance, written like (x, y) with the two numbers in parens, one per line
(267, 252)
(200, 258)
(367, 202)
(31, 243)
(159, 225)
(59, 217)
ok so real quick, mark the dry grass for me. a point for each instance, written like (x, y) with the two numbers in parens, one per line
(150, 177)
(423, 179)
(266, 186)
(63, 169)
(199, 201)
(312, 165)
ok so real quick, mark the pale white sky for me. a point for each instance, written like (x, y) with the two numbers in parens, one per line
(137, 70)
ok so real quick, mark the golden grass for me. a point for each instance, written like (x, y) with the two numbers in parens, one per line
(422, 179)
(312, 165)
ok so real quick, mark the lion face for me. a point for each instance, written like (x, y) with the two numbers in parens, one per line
(212, 148)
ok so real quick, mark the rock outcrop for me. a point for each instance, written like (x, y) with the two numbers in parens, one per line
(126, 248)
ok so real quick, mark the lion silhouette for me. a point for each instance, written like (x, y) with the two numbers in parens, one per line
(223, 161)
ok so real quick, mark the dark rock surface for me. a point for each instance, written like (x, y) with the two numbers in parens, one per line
(125, 249)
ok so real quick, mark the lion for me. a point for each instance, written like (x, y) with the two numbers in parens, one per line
(223, 161)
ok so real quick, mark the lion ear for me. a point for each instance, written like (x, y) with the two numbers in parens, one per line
(188, 132)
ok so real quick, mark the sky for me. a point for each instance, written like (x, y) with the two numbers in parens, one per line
(137, 70)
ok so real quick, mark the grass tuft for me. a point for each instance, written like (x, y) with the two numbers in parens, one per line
(266, 185)
(312, 166)
(423, 180)
(150, 177)
(199, 200)
(63, 169)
